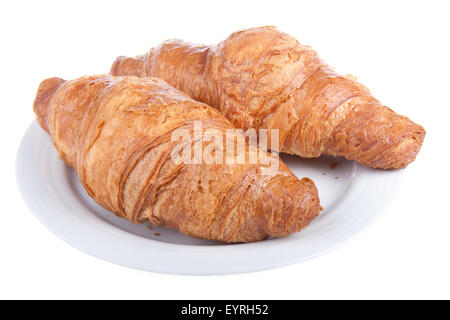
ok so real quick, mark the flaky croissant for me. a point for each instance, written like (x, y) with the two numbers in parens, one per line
(116, 133)
(263, 78)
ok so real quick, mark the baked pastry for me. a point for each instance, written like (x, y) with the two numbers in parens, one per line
(264, 78)
(117, 133)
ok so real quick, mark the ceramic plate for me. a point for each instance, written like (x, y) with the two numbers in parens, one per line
(351, 196)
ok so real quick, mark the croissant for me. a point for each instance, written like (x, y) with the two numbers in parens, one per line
(116, 132)
(263, 78)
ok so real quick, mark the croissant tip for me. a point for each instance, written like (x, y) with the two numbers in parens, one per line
(44, 94)
(299, 205)
(114, 71)
(406, 151)
(133, 66)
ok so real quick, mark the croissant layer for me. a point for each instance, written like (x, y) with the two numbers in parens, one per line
(264, 78)
(117, 133)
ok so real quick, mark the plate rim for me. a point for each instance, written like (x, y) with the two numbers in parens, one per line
(175, 251)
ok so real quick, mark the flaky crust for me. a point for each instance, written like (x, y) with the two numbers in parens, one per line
(116, 133)
(263, 78)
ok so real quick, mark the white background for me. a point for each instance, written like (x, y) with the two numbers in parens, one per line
(399, 49)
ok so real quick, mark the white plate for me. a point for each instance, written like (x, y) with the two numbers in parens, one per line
(352, 196)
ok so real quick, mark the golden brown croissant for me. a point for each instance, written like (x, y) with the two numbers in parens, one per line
(263, 78)
(116, 133)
